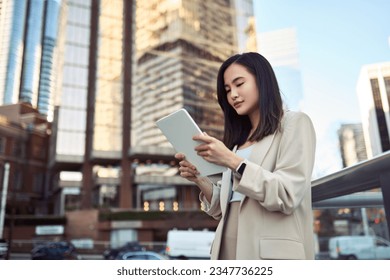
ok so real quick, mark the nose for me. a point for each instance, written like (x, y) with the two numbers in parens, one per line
(233, 94)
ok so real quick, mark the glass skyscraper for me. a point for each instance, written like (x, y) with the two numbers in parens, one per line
(179, 47)
(28, 39)
(113, 86)
(32, 52)
(47, 78)
(12, 20)
(104, 71)
(72, 81)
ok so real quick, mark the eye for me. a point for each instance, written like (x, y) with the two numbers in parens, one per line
(239, 84)
(227, 90)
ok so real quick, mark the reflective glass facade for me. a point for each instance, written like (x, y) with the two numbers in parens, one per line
(13, 18)
(179, 48)
(32, 52)
(373, 93)
(73, 78)
(109, 79)
(28, 50)
(49, 40)
(245, 21)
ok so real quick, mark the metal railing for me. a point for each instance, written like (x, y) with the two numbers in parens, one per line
(343, 188)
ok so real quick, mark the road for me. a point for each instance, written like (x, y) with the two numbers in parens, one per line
(26, 256)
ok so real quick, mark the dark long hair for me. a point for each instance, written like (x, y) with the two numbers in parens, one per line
(237, 128)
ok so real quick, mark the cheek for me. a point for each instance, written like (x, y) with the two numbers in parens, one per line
(254, 94)
(229, 100)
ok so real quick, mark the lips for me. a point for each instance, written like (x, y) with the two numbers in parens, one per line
(237, 104)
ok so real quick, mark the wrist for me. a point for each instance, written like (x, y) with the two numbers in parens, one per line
(235, 162)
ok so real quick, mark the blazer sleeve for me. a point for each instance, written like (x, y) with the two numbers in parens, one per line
(284, 188)
(213, 208)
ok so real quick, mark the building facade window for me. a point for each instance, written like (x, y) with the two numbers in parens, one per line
(3, 142)
(19, 149)
(17, 180)
(38, 183)
(75, 35)
(387, 87)
(380, 115)
(109, 84)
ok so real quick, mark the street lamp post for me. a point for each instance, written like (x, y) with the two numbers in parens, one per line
(4, 198)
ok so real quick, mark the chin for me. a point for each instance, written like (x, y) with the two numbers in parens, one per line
(241, 112)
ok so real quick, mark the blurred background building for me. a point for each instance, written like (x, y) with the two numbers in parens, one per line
(82, 83)
(280, 47)
(100, 73)
(352, 145)
(28, 40)
(373, 91)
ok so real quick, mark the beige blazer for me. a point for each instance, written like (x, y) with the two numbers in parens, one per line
(275, 219)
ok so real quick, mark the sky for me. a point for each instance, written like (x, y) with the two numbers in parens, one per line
(335, 39)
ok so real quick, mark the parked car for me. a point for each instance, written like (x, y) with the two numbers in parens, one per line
(61, 250)
(359, 247)
(189, 244)
(112, 253)
(3, 248)
(141, 255)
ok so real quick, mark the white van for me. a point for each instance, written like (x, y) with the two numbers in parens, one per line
(189, 244)
(359, 247)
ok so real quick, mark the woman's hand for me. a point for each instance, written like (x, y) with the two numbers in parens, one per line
(215, 151)
(187, 170)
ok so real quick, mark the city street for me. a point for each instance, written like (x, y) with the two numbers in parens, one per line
(26, 256)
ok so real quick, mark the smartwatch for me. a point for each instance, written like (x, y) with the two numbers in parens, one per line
(241, 168)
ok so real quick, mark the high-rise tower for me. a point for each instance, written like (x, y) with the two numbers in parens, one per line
(102, 110)
(179, 47)
(27, 56)
(352, 145)
(118, 76)
(120, 65)
(373, 91)
(93, 88)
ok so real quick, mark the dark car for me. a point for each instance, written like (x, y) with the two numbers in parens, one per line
(61, 250)
(3, 248)
(141, 255)
(112, 253)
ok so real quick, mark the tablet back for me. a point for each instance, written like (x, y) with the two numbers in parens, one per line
(179, 128)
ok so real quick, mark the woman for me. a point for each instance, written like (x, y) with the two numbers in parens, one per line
(263, 201)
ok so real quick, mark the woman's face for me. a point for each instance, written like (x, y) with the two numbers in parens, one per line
(241, 90)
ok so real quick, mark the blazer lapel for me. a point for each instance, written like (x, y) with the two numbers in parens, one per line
(258, 154)
(261, 148)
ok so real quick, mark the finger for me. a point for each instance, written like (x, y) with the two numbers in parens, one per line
(191, 169)
(204, 138)
(180, 156)
(188, 172)
(202, 147)
(185, 163)
(203, 153)
(187, 175)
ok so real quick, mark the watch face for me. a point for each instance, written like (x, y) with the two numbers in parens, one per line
(241, 168)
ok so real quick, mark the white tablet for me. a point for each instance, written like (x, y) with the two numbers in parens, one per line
(179, 128)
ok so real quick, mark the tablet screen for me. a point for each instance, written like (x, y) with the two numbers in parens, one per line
(179, 128)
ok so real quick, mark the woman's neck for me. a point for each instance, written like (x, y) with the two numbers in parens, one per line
(254, 118)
